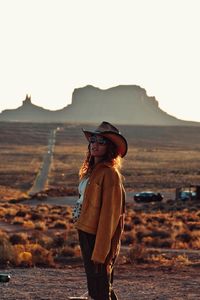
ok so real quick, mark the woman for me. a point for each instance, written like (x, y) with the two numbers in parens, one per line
(99, 213)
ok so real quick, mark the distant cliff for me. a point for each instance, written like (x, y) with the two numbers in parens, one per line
(123, 104)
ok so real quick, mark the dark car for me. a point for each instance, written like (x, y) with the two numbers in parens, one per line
(187, 195)
(148, 197)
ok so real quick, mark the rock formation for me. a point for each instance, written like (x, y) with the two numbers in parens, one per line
(123, 104)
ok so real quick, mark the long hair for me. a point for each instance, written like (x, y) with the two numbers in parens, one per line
(111, 156)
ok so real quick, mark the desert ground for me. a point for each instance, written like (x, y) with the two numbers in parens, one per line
(131, 282)
(38, 243)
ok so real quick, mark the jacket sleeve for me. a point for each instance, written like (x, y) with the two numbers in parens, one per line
(110, 213)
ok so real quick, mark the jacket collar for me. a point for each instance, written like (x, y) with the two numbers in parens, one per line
(102, 164)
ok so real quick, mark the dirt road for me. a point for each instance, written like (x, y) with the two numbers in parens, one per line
(131, 283)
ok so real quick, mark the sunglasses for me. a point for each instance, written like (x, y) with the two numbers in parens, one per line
(97, 139)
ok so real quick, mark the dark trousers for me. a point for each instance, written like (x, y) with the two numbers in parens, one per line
(99, 282)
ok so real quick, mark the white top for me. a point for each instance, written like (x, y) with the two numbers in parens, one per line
(77, 208)
(81, 189)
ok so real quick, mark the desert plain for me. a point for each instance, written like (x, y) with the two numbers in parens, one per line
(38, 242)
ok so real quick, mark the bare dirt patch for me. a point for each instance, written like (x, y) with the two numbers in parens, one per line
(131, 282)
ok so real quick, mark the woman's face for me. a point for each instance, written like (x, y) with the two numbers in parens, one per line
(98, 146)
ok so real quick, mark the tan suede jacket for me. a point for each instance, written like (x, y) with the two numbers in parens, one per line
(102, 211)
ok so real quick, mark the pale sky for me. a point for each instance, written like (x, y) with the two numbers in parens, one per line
(50, 47)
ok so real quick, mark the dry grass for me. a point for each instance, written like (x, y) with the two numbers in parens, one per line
(138, 254)
(160, 158)
(175, 227)
(66, 164)
(46, 236)
(41, 217)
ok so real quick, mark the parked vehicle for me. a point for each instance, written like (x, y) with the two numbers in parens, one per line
(190, 192)
(187, 195)
(148, 197)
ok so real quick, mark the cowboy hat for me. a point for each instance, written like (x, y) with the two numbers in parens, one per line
(110, 132)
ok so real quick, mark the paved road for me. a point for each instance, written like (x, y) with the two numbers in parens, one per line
(70, 200)
(64, 200)
(42, 176)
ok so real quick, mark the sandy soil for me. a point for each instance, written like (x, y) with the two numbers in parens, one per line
(131, 282)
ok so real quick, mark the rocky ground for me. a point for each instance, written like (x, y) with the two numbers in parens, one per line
(131, 282)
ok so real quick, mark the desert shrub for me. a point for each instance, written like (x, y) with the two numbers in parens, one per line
(71, 235)
(6, 250)
(140, 235)
(40, 256)
(166, 243)
(157, 243)
(18, 249)
(36, 216)
(138, 254)
(21, 213)
(46, 242)
(191, 219)
(77, 250)
(59, 224)
(18, 238)
(182, 259)
(128, 217)
(40, 226)
(43, 209)
(194, 227)
(67, 212)
(181, 218)
(184, 237)
(2, 212)
(136, 220)
(195, 244)
(128, 241)
(159, 233)
(29, 224)
(180, 245)
(53, 218)
(176, 261)
(128, 238)
(18, 221)
(10, 212)
(68, 251)
(29, 254)
(147, 241)
(58, 241)
(25, 259)
(128, 227)
(8, 216)
(157, 219)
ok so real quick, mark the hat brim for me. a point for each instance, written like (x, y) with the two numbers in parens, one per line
(116, 138)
